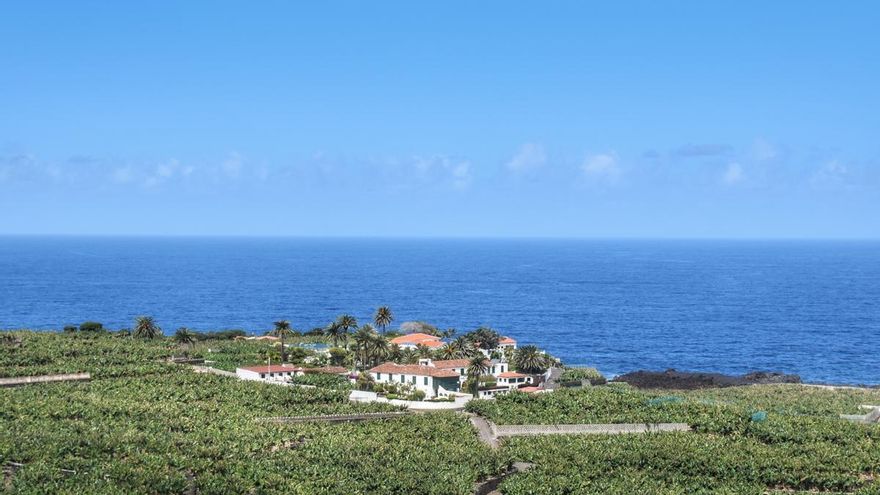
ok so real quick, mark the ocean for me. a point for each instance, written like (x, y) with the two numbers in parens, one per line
(805, 307)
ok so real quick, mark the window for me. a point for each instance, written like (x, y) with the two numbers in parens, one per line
(426, 380)
(402, 378)
(262, 375)
(493, 370)
(378, 376)
(414, 379)
(462, 371)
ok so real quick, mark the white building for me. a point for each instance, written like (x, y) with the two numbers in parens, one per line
(513, 380)
(269, 373)
(431, 380)
(460, 366)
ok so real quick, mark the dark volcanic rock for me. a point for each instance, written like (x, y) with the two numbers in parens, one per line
(684, 380)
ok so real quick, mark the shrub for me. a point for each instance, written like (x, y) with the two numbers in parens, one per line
(322, 380)
(70, 329)
(416, 395)
(91, 326)
(578, 374)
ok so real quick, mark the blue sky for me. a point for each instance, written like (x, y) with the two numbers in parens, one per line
(562, 119)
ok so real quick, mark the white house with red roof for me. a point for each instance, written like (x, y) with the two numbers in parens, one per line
(430, 379)
(506, 343)
(494, 367)
(413, 340)
(268, 373)
(513, 379)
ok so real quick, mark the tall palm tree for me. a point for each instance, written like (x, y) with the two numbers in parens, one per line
(447, 352)
(462, 348)
(383, 317)
(346, 323)
(334, 331)
(408, 356)
(363, 341)
(381, 348)
(448, 333)
(145, 328)
(282, 329)
(184, 337)
(485, 338)
(476, 368)
(423, 351)
(530, 359)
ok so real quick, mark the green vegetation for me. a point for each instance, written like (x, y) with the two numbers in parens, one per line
(578, 374)
(801, 445)
(143, 425)
(323, 380)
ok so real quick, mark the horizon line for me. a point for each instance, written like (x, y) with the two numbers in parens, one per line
(437, 237)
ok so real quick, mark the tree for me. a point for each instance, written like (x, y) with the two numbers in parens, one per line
(423, 351)
(381, 348)
(363, 341)
(145, 328)
(475, 369)
(530, 359)
(345, 324)
(282, 329)
(184, 337)
(461, 347)
(383, 317)
(334, 331)
(448, 333)
(485, 338)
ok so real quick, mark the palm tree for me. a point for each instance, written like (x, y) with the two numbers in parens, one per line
(476, 368)
(485, 338)
(447, 352)
(462, 348)
(346, 323)
(335, 332)
(363, 340)
(530, 359)
(184, 337)
(423, 351)
(282, 329)
(145, 327)
(408, 356)
(381, 348)
(383, 317)
(448, 333)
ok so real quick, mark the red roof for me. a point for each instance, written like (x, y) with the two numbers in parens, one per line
(414, 338)
(506, 340)
(275, 368)
(432, 343)
(455, 363)
(512, 374)
(414, 369)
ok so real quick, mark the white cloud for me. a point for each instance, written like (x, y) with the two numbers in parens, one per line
(733, 174)
(444, 169)
(763, 150)
(601, 166)
(529, 157)
(832, 174)
(123, 175)
(232, 165)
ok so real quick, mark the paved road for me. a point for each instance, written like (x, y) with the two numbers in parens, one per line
(484, 432)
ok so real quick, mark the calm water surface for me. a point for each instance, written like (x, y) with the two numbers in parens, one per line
(811, 308)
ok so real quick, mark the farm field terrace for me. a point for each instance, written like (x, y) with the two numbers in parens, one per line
(145, 426)
(747, 440)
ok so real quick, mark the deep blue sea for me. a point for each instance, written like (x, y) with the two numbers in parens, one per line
(811, 308)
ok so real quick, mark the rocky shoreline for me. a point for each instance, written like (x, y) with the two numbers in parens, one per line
(686, 380)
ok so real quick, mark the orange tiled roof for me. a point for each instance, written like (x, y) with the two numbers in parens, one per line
(414, 369)
(512, 374)
(414, 338)
(432, 343)
(506, 340)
